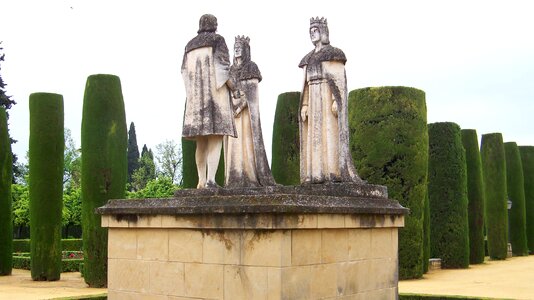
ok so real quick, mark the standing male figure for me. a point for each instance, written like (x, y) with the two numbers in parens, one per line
(208, 113)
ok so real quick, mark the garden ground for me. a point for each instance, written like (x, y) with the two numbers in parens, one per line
(512, 278)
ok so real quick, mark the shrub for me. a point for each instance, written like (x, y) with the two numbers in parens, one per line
(23, 245)
(104, 166)
(6, 178)
(286, 143)
(475, 196)
(515, 186)
(389, 145)
(494, 177)
(46, 159)
(426, 235)
(447, 194)
(527, 161)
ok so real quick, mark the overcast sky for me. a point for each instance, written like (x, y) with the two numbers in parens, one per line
(474, 59)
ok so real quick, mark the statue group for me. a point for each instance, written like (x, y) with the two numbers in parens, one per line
(222, 108)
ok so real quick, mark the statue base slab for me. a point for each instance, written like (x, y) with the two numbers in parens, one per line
(303, 242)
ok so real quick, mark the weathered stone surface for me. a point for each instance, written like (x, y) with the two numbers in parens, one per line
(345, 198)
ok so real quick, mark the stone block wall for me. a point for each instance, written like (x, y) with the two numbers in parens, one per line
(253, 256)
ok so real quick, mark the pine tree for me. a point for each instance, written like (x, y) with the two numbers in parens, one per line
(133, 152)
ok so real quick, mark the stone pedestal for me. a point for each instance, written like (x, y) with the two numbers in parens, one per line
(306, 242)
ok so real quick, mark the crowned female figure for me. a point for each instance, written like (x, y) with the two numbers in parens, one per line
(324, 133)
(246, 163)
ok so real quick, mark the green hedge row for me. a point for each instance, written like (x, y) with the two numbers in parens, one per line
(527, 160)
(496, 212)
(516, 193)
(475, 196)
(23, 245)
(67, 265)
(447, 194)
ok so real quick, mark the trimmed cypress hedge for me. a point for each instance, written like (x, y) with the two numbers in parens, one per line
(189, 166)
(494, 177)
(426, 235)
(475, 196)
(104, 166)
(447, 194)
(23, 245)
(6, 177)
(286, 143)
(389, 145)
(46, 148)
(516, 193)
(527, 161)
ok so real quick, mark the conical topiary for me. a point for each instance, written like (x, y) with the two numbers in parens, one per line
(494, 177)
(285, 144)
(389, 145)
(515, 186)
(46, 147)
(6, 177)
(475, 196)
(447, 194)
(527, 161)
(104, 167)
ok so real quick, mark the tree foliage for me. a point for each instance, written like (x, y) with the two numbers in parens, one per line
(46, 160)
(496, 212)
(389, 145)
(145, 172)
(162, 187)
(72, 169)
(475, 196)
(285, 143)
(169, 157)
(527, 161)
(516, 193)
(133, 152)
(104, 167)
(6, 202)
(447, 194)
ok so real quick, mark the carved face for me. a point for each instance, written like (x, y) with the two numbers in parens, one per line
(315, 35)
(238, 50)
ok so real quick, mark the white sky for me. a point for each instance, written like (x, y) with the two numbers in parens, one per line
(474, 59)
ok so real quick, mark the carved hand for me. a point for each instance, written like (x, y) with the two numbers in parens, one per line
(334, 108)
(304, 113)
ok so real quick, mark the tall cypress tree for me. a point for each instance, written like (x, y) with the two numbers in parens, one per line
(516, 193)
(494, 177)
(285, 144)
(475, 196)
(133, 152)
(6, 177)
(527, 161)
(46, 158)
(447, 194)
(389, 144)
(104, 167)
(426, 235)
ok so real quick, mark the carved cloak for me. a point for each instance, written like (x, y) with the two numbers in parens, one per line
(205, 70)
(324, 145)
(245, 157)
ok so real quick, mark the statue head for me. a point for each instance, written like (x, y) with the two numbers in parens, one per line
(242, 48)
(207, 23)
(319, 31)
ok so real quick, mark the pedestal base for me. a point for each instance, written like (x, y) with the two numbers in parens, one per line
(220, 254)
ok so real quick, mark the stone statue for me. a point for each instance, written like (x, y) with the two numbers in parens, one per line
(324, 133)
(245, 158)
(208, 113)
